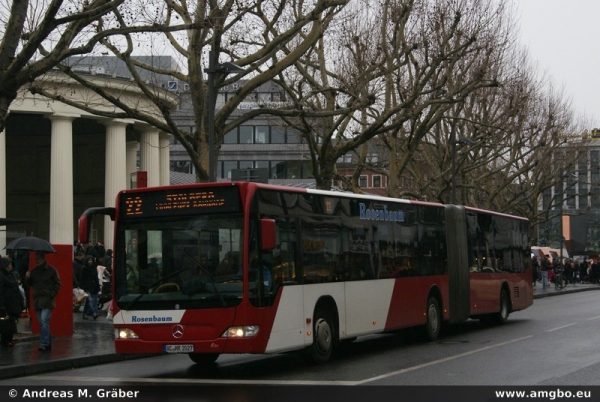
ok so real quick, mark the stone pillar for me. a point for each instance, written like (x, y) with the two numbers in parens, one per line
(149, 160)
(61, 180)
(164, 153)
(3, 189)
(116, 176)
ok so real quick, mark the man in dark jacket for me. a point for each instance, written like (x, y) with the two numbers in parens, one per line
(77, 266)
(45, 282)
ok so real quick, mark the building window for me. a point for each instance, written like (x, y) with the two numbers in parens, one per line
(277, 135)
(262, 135)
(363, 182)
(377, 181)
(278, 170)
(372, 158)
(246, 164)
(181, 166)
(228, 166)
(294, 137)
(246, 134)
(231, 137)
(261, 164)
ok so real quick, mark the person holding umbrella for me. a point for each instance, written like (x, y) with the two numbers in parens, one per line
(45, 282)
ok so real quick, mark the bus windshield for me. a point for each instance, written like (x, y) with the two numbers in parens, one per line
(179, 263)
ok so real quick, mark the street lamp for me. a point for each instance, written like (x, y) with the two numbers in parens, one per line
(214, 67)
(453, 142)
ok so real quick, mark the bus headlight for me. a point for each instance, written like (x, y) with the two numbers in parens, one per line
(246, 331)
(125, 333)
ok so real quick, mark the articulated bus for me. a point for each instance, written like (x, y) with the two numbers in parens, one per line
(241, 267)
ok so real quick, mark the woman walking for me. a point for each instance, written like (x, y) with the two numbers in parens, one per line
(91, 285)
(11, 302)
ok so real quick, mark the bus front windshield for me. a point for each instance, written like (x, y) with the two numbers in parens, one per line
(179, 263)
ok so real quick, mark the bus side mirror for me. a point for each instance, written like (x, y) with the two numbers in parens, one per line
(267, 232)
(85, 221)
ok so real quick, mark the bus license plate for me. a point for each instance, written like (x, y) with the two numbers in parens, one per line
(179, 348)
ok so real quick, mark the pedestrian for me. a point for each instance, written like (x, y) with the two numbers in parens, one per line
(100, 249)
(11, 302)
(90, 249)
(107, 260)
(45, 282)
(535, 268)
(545, 267)
(22, 266)
(91, 285)
(77, 266)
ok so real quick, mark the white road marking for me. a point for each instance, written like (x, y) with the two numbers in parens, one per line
(593, 318)
(114, 380)
(420, 366)
(557, 328)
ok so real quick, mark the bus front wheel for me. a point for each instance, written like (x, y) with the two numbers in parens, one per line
(502, 316)
(433, 326)
(323, 337)
(203, 358)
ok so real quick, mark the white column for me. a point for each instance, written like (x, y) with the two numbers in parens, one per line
(149, 160)
(164, 153)
(131, 164)
(115, 177)
(61, 180)
(3, 190)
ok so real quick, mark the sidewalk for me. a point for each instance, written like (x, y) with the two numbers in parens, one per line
(92, 343)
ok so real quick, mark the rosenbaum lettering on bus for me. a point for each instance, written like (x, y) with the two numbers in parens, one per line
(380, 214)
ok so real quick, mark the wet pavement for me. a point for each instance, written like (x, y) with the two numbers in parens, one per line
(92, 343)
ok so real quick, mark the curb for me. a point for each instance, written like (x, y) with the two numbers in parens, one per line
(564, 291)
(23, 370)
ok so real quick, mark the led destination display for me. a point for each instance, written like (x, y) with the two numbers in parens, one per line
(156, 203)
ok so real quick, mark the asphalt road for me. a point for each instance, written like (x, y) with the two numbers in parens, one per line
(552, 343)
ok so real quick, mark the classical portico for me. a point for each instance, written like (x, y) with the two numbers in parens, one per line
(56, 161)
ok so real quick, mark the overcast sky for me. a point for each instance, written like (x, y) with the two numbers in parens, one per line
(564, 37)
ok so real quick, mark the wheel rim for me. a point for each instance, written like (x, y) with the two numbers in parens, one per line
(322, 336)
(432, 318)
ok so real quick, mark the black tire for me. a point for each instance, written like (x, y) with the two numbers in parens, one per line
(501, 317)
(203, 358)
(433, 326)
(324, 337)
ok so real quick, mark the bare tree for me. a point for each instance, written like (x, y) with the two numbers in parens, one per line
(38, 36)
(265, 38)
(523, 138)
(400, 61)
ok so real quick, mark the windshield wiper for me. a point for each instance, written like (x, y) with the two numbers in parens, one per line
(207, 272)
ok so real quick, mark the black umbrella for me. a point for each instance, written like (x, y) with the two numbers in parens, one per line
(30, 243)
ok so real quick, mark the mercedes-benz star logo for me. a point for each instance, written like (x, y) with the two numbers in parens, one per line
(177, 331)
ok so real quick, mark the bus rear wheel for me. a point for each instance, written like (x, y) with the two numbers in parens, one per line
(433, 326)
(203, 358)
(324, 337)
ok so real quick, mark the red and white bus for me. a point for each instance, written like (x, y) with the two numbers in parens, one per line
(240, 267)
